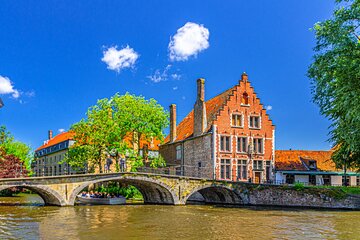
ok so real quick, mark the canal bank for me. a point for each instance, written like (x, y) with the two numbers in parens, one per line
(171, 222)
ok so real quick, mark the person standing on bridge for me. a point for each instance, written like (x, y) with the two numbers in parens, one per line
(109, 161)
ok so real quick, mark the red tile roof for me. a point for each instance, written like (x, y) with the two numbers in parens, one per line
(186, 127)
(154, 145)
(57, 139)
(298, 159)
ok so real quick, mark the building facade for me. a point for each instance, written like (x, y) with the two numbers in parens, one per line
(48, 157)
(311, 168)
(229, 137)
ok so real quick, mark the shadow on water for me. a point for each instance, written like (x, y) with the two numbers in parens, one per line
(271, 208)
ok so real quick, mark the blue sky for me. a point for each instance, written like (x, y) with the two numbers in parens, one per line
(53, 62)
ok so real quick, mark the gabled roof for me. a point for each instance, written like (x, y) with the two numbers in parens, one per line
(299, 160)
(154, 145)
(186, 127)
(57, 139)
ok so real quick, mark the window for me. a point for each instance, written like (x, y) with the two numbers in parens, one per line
(347, 180)
(290, 179)
(254, 122)
(327, 180)
(258, 165)
(225, 169)
(312, 179)
(312, 164)
(358, 181)
(268, 170)
(241, 169)
(258, 145)
(242, 144)
(225, 143)
(236, 120)
(178, 152)
(245, 99)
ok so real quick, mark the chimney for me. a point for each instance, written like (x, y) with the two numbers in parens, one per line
(244, 77)
(50, 134)
(172, 122)
(200, 122)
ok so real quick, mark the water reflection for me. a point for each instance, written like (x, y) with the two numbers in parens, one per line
(170, 222)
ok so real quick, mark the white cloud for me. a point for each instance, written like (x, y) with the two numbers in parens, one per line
(119, 59)
(188, 41)
(268, 107)
(176, 76)
(175, 88)
(30, 93)
(159, 75)
(61, 130)
(6, 87)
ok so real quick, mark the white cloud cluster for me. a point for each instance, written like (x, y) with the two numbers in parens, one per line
(159, 76)
(163, 75)
(61, 130)
(188, 41)
(6, 87)
(119, 59)
(268, 107)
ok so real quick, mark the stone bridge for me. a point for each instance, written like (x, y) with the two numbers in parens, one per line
(179, 190)
(155, 188)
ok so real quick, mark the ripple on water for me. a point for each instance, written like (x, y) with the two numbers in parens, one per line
(173, 222)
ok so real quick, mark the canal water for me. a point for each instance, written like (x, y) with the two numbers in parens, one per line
(24, 218)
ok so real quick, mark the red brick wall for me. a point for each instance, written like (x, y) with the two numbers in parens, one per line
(223, 123)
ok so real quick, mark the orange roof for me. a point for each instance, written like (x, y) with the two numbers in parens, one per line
(57, 139)
(186, 127)
(299, 160)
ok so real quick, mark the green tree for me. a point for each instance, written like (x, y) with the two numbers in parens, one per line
(335, 75)
(16, 148)
(144, 119)
(109, 123)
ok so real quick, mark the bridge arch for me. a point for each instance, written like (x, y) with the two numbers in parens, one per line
(215, 194)
(50, 196)
(153, 190)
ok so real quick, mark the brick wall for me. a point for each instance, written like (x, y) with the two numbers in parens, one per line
(235, 105)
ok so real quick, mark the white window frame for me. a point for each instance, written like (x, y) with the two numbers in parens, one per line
(263, 145)
(242, 120)
(230, 143)
(250, 127)
(247, 143)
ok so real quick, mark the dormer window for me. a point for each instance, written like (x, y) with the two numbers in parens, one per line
(245, 99)
(312, 165)
(236, 120)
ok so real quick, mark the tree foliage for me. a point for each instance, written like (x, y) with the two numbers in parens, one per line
(335, 74)
(12, 147)
(11, 166)
(111, 125)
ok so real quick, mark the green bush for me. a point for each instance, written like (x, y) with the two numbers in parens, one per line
(130, 192)
(299, 186)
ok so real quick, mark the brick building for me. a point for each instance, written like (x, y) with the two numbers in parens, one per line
(229, 137)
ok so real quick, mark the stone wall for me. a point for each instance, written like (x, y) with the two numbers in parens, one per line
(286, 196)
(198, 160)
